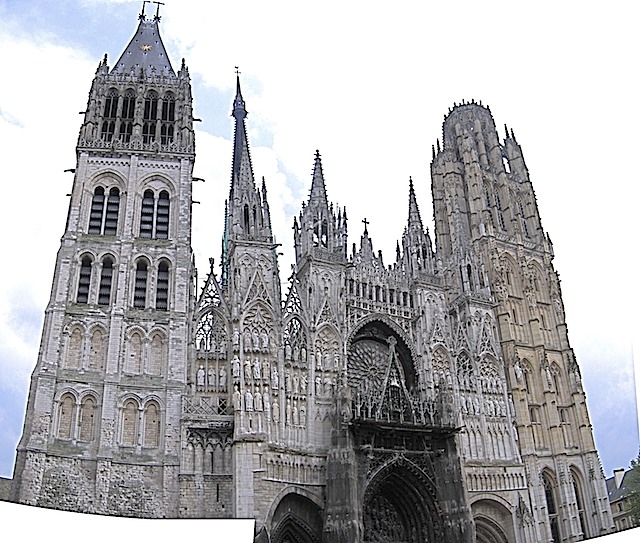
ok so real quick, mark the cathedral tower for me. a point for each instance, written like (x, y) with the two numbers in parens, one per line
(494, 249)
(102, 426)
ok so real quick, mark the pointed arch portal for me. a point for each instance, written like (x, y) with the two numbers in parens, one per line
(296, 520)
(399, 507)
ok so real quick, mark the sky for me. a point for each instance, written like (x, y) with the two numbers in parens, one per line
(367, 85)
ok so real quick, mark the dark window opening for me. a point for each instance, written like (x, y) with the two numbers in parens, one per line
(108, 129)
(162, 289)
(84, 282)
(106, 279)
(151, 107)
(113, 208)
(140, 287)
(95, 215)
(128, 105)
(146, 214)
(148, 132)
(166, 134)
(162, 217)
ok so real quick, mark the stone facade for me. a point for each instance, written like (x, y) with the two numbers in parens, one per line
(435, 398)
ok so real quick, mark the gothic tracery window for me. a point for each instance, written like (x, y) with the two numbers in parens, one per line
(128, 109)
(109, 115)
(150, 116)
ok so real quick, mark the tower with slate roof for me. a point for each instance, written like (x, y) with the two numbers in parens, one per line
(102, 430)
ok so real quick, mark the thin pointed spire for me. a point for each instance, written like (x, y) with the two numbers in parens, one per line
(318, 191)
(241, 170)
(414, 212)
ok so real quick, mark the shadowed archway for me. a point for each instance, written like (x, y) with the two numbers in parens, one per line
(296, 520)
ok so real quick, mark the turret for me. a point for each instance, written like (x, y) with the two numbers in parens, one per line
(319, 231)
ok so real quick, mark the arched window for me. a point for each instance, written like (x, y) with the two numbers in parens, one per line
(103, 219)
(74, 349)
(66, 417)
(151, 425)
(162, 286)
(109, 115)
(111, 216)
(106, 280)
(128, 109)
(133, 362)
(150, 116)
(168, 116)
(140, 287)
(156, 355)
(97, 206)
(577, 490)
(552, 510)
(154, 215)
(87, 419)
(97, 350)
(84, 281)
(146, 214)
(130, 424)
(162, 216)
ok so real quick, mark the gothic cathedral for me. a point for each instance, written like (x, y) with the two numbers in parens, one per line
(433, 399)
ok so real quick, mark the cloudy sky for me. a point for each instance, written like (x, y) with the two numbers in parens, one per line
(368, 85)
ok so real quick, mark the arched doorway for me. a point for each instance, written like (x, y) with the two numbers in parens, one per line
(494, 522)
(296, 520)
(399, 507)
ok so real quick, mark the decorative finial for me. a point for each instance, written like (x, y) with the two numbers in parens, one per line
(142, 16)
(157, 15)
(211, 261)
(506, 130)
(238, 72)
(317, 153)
(104, 60)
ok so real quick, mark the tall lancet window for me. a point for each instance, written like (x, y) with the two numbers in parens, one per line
(87, 419)
(140, 287)
(167, 118)
(66, 412)
(162, 216)
(97, 207)
(146, 214)
(126, 119)
(103, 216)
(149, 117)
(109, 115)
(162, 286)
(106, 279)
(84, 281)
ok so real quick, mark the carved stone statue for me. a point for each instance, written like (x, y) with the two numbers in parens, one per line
(256, 369)
(237, 399)
(235, 367)
(274, 378)
(248, 401)
(257, 400)
(222, 383)
(247, 371)
(200, 377)
(275, 409)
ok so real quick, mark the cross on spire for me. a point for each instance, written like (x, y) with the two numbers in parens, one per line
(238, 72)
(365, 222)
(157, 15)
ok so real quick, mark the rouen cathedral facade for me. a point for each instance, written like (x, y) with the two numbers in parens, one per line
(432, 399)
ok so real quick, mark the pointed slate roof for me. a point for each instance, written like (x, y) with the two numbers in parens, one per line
(241, 169)
(414, 212)
(318, 193)
(145, 50)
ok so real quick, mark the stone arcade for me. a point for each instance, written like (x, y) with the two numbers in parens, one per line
(433, 399)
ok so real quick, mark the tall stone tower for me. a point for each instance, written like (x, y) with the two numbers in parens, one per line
(498, 258)
(102, 430)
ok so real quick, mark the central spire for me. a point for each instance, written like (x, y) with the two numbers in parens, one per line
(242, 180)
(248, 217)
